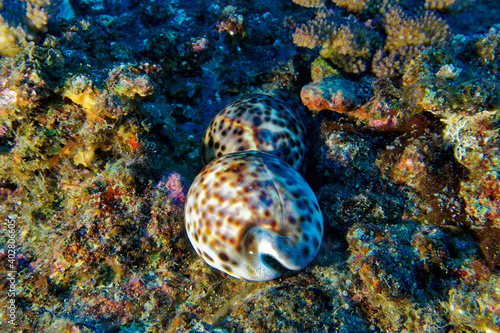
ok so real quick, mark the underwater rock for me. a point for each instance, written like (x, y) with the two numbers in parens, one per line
(402, 271)
(332, 93)
(474, 307)
(128, 81)
(253, 216)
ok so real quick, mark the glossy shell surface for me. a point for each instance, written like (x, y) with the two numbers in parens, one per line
(253, 216)
(256, 122)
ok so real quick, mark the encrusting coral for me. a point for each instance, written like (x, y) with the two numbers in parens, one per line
(344, 41)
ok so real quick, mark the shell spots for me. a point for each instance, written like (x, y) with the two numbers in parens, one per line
(223, 257)
(265, 223)
(249, 212)
(256, 122)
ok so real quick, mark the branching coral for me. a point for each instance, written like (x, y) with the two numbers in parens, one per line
(310, 3)
(347, 43)
(9, 39)
(448, 5)
(353, 6)
(407, 36)
(370, 6)
(474, 307)
(488, 45)
(37, 15)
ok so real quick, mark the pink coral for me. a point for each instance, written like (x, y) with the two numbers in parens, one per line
(200, 45)
(174, 188)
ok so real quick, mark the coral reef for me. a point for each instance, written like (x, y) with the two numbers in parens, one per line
(37, 15)
(474, 306)
(103, 106)
(371, 7)
(397, 292)
(413, 164)
(448, 5)
(128, 81)
(232, 22)
(9, 39)
(353, 6)
(320, 68)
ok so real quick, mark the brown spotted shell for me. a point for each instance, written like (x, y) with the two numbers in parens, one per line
(256, 122)
(253, 216)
